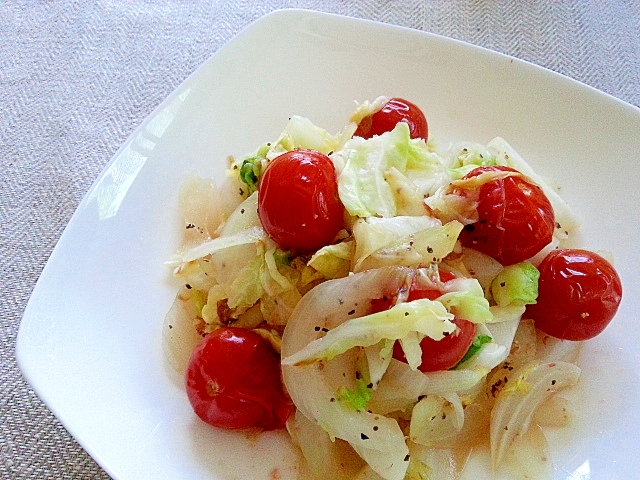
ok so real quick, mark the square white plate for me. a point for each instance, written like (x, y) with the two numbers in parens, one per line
(90, 339)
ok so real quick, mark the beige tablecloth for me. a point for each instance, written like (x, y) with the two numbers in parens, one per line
(76, 78)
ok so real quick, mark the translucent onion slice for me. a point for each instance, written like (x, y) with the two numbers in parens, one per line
(401, 386)
(377, 439)
(325, 458)
(565, 219)
(435, 418)
(528, 457)
(179, 337)
(249, 236)
(532, 384)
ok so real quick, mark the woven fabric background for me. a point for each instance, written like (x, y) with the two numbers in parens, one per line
(77, 77)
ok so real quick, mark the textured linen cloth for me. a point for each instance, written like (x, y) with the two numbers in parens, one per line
(76, 78)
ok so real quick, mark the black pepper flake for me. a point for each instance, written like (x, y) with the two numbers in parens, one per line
(553, 382)
(429, 250)
(332, 399)
(325, 329)
(241, 191)
(502, 284)
(317, 329)
(364, 437)
(351, 312)
(340, 301)
(170, 326)
(190, 226)
(446, 334)
(358, 375)
(242, 210)
(407, 457)
(375, 428)
(189, 287)
(370, 385)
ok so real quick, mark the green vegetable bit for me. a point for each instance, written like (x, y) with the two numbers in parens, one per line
(477, 343)
(516, 285)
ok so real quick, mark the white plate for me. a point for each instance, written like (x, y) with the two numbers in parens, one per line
(90, 339)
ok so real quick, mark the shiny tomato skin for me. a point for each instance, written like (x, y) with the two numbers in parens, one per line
(298, 201)
(394, 111)
(579, 293)
(445, 353)
(233, 381)
(436, 354)
(516, 219)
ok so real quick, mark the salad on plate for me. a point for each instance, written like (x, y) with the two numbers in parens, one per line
(392, 303)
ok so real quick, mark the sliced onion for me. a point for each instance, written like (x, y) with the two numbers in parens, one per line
(401, 386)
(435, 418)
(528, 457)
(178, 333)
(551, 349)
(377, 439)
(325, 458)
(531, 385)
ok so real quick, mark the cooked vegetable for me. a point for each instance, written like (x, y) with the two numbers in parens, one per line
(391, 112)
(515, 218)
(233, 381)
(298, 201)
(580, 292)
(408, 301)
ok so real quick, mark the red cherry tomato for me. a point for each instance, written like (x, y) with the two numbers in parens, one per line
(394, 111)
(233, 381)
(436, 354)
(298, 201)
(445, 353)
(578, 294)
(516, 218)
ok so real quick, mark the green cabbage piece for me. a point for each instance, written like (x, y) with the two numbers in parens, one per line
(300, 132)
(516, 285)
(333, 261)
(465, 298)
(364, 165)
(475, 347)
(426, 317)
(358, 397)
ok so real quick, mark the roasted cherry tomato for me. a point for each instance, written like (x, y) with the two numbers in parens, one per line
(436, 354)
(445, 353)
(298, 201)
(394, 111)
(516, 218)
(578, 294)
(233, 381)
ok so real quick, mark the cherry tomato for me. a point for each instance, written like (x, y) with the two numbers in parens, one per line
(298, 201)
(436, 354)
(445, 353)
(394, 111)
(233, 381)
(516, 218)
(578, 294)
